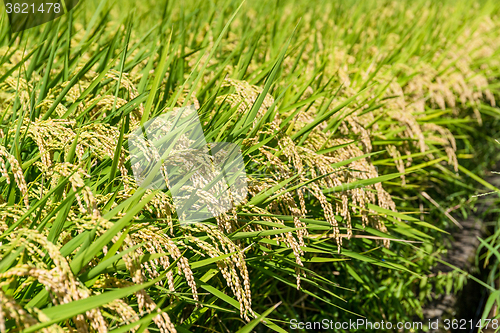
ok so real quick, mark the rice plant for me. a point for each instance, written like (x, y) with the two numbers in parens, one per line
(348, 123)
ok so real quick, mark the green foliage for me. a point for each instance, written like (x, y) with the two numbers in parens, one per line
(344, 118)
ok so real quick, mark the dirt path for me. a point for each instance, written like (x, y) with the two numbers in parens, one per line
(468, 303)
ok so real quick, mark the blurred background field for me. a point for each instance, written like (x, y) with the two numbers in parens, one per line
(367, 130)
